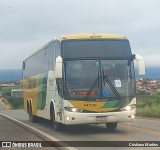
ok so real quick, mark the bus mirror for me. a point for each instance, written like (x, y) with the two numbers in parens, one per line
(140, 62)
(58, 67)
(24, 65)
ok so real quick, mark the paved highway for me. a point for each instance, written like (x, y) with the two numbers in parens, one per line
(141, 130)
(12, 133)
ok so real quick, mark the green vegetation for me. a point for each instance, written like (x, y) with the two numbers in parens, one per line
(6, 90)
(16, 102)
(148, 105)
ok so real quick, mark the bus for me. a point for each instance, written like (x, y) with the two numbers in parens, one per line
(82, 79)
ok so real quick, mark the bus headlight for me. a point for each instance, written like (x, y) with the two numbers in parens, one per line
(73, 109)
(128, 108)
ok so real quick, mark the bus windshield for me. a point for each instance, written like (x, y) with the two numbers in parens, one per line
(99, 79)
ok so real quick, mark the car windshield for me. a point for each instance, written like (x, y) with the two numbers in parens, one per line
(99, 79)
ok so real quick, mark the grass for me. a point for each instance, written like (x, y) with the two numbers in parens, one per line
(16, 102)
(148, 106)
(153, 111)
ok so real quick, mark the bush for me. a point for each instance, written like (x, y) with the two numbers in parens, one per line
(4, 94)
(158, 96)
(148, 106)
(148, 111)
(16, 102)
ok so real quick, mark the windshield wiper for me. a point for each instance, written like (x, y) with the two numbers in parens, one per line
(93, 85)
(112, 87)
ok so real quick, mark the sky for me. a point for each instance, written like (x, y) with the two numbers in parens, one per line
(27, 25)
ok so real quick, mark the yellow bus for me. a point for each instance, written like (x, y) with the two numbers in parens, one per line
(82, 79)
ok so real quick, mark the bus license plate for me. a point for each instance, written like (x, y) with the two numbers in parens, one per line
(101, 118)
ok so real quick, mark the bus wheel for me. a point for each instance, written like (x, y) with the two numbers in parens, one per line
(32, 118)
(57, 126)
(111, 126)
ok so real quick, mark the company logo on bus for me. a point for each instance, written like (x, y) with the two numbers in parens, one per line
(76, 93)
(90, 105)
(95, 36)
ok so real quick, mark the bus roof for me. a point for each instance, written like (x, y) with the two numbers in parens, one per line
(91, 36)
(81, 36)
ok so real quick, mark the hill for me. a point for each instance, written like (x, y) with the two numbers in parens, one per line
(151, 73)
(10, 74)
(16, 74)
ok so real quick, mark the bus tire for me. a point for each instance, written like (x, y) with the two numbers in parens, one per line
(32, 118)
(56, 126)
(111, 126)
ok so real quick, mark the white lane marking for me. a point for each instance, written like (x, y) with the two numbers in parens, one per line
(41, 132)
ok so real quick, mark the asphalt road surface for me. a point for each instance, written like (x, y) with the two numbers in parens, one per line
(10, 131)
(143, 129)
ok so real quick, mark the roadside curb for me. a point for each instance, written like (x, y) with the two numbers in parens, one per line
(44, 136)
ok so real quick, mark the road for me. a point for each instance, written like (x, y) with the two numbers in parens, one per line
(10, 132)
(140, 130)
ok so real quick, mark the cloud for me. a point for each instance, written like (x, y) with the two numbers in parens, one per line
(27, 25)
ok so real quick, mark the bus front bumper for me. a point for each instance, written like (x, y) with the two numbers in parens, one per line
(72, 118)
